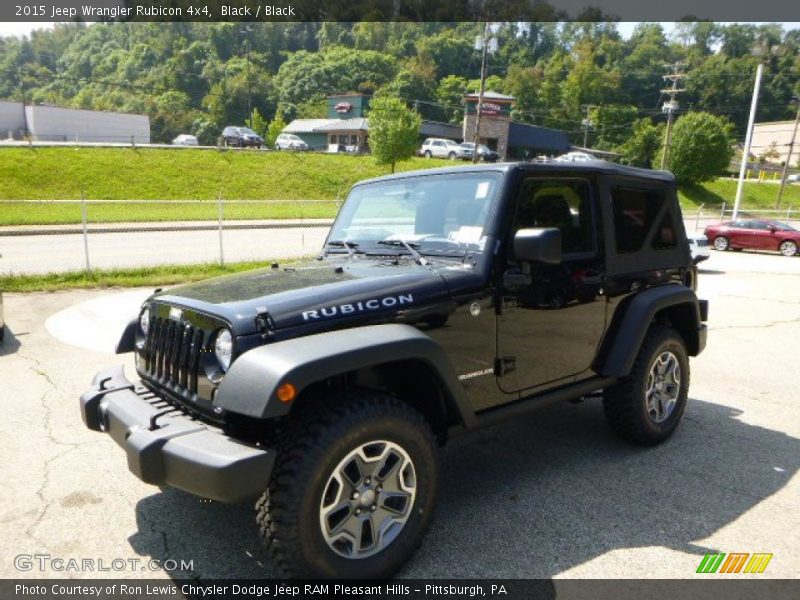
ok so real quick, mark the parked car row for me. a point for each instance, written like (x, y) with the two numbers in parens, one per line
(444, 148)
(244, 137)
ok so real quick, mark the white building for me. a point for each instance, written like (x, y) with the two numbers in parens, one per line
(776, 136)
(57, 124)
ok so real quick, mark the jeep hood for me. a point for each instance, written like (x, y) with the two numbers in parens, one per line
(339, 292)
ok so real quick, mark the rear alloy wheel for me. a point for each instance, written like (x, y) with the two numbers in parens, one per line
(721, 243)
(788, 248)
(646, 406)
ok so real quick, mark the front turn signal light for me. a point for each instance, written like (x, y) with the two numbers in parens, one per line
(286, 392)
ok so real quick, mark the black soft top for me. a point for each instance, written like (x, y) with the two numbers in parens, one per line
(578, 167)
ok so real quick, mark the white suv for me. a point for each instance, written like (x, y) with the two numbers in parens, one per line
(289, 141)
(440, 148)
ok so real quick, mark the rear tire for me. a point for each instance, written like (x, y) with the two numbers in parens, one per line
(721, 243)
(788, 248)
(451, 156)
(325, 460)
(645, 407)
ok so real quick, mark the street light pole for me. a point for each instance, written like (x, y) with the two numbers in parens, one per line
(748, 140)
(788, 156)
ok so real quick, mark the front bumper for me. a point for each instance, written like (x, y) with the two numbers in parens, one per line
(166, 447)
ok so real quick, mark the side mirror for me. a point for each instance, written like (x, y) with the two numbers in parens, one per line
(541, 245)
(772, 228)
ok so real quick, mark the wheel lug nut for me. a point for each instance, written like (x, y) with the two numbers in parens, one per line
(367, 481)
(355, 495)
(358, 511)
(373, 507)
(379, 489)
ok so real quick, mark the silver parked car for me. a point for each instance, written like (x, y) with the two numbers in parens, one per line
(185, 139)
(440, 148)
(289, 141)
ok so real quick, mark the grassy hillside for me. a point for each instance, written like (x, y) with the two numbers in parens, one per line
(755, 195)
(188, 174)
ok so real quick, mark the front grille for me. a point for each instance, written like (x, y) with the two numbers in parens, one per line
(702, 242)
(172, 354)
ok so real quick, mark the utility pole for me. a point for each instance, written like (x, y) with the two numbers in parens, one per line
(789, 156)
(670, 107)
(479, 107)
(247, 30)
(587, 123)
(747, 140)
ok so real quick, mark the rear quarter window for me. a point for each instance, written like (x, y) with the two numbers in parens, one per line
(637, 212)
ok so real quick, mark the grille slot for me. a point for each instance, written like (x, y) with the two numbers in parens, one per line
(172, 354)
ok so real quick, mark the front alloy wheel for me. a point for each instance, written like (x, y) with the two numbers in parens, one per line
(368, 499)
(788, 248)
(721, 243)
(353, 487)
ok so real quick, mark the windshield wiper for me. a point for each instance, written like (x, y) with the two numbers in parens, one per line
(420, 260)
(349, 246)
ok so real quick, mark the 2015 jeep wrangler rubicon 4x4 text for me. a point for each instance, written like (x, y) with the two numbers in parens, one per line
(443, 301)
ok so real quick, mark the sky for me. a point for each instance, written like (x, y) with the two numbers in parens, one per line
(625, 28)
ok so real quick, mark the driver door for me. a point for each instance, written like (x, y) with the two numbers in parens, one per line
(551, 322)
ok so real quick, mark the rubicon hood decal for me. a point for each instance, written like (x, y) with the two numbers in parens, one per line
(358, 307)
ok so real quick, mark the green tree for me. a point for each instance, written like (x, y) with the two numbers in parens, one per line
(274, 130)
(393, 130)
(641, 149)
(257, 123)
(701, 147)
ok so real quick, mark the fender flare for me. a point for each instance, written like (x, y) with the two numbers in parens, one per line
(249, 386)
(632, 320)
(127, 341)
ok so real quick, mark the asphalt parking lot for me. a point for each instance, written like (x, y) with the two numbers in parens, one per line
(550, 495)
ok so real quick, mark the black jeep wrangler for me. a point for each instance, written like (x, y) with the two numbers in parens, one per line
(443, 301)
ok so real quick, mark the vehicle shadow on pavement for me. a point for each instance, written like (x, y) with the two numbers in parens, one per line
(10, 343)
(531, 498)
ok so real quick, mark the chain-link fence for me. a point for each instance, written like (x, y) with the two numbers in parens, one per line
(55, 236)
(698, 219)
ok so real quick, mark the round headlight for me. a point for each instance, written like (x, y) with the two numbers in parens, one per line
(223, 348)
(144, 320)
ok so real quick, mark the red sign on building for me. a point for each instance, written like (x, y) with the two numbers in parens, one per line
(344, 107)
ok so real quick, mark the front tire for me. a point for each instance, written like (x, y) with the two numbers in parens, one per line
(788, 248)
(646, 406)
(721, 243)
(353, 488)
(451, 156)
(428, 154)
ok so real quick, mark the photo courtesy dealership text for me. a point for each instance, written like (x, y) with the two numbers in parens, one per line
(255, 590)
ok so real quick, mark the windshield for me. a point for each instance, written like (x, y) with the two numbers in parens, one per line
(437, 214)
(782, 226)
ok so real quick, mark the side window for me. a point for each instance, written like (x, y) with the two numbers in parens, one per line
(565, 204)
(635, 212)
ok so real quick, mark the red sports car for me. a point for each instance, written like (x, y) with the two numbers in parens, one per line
(754, 235)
